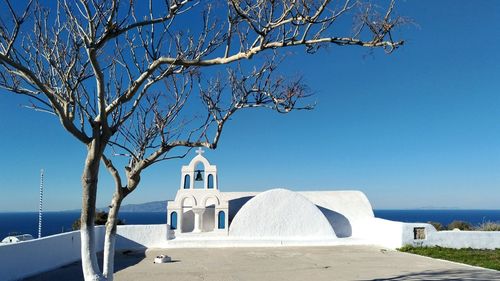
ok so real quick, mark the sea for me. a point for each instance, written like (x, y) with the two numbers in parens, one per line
(58, 222)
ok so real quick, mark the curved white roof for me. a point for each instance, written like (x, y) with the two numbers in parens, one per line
(280, 213)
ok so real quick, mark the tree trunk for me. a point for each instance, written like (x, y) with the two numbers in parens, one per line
(90, 267)
(110, 237)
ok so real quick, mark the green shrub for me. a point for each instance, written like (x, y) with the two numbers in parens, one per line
(406, 248)
(462, 225)
(437, 225)
(100, 219)
(489, 226)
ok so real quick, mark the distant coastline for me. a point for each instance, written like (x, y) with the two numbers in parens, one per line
(161, 206)
(155, 206)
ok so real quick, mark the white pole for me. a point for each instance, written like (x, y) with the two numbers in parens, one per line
(40, 206)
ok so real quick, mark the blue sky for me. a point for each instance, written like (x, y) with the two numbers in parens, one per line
(418, 128)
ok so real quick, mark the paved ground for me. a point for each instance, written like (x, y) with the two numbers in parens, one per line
(290, 263)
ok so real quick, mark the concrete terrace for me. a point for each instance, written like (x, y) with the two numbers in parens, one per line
(279, 263)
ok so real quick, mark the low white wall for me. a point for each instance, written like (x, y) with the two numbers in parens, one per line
(23, 259)
(141, 236)
(464, 239)
(379, 232)
(450, 238)
(19, 260)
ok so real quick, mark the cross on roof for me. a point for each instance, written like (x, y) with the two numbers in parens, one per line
(200, 151)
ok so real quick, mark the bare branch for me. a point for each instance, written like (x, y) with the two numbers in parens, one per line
(134, 79)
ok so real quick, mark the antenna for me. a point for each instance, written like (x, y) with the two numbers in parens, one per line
(40, 205)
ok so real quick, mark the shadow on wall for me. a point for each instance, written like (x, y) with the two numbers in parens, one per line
(123, 243)
(235, 205)
(209, 218)
(339, 222)
(187, 221)
(458, 274)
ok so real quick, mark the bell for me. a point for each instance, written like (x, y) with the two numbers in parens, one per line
(198, 177)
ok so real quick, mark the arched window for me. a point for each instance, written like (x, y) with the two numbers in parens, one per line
(210, 181)
(173, 220)
(187, 181)
(222, 220)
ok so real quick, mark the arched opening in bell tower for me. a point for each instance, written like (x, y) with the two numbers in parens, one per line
(199, 176)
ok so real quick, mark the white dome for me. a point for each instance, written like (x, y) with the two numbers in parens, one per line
(280, 213)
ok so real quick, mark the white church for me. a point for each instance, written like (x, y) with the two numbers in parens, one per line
(200, 210)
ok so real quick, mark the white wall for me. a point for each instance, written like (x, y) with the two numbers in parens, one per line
(209, 223)
(450, 238)
(141, 236)
(379, 232)
(19, 260)
(280, 213)
(343, 209)
(23, 259)
(463, 239)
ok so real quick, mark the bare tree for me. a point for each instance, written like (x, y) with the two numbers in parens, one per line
(131, 79)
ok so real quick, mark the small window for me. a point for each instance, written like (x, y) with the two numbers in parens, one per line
(187, 181)
(419, 233)
(222, 220)
(173, 220)
(210, 181)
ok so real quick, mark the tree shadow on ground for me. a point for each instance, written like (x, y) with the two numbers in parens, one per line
(441, 275)
(127, 258)
(73, 271)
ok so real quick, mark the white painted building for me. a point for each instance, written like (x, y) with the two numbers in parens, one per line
(198, 209)
(201, 211)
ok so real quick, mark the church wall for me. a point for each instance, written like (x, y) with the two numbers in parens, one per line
(350, 203)
(209, 219)
(236, 200)
(280, 213)
(343, 209)
(187, 220)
